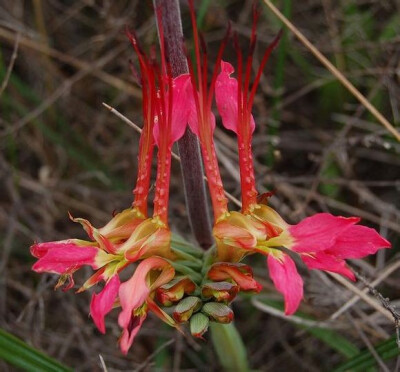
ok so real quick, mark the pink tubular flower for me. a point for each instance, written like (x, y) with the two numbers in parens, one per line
(135, 298)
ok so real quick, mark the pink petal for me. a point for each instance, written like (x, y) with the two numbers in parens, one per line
(327, 262)
(357, 242)
(181, 106)
(226, 96)
(287, 280)
(63, 257)
(319, 232)
(102, 303)
(130, 331)
(39, 250)
(134, 292)
(180, 109)
(193, 120)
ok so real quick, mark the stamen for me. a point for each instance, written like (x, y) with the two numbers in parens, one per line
(217, 66)
(203, 101)
(261, 67)
(146, 143)
(196, 44)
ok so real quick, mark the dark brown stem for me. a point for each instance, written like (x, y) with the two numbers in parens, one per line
(189, 150)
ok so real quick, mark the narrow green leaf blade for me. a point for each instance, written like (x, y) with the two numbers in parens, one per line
(19, 354)
(229, 347)
(386, 350)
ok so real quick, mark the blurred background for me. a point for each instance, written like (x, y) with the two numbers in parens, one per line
(315, 146)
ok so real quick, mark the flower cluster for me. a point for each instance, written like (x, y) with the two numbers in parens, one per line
(172, 279)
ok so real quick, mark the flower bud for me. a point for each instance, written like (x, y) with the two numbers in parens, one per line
(199, 325)
(241, 274)
(218, 312)
(174, 290)
(221, 291)
(185, 308)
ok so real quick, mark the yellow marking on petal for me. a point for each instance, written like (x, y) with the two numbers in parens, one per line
(223, 217)
(103, 258)
(141, 310)
(157, 221)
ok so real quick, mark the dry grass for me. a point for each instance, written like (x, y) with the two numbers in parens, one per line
(315, 145)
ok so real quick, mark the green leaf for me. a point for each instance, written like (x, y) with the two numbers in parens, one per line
(391, 29)
(201, 13)
(19, 354)
(386, 350)
(229, 347)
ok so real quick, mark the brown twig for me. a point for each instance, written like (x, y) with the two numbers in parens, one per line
(385, 303)
(355, 298)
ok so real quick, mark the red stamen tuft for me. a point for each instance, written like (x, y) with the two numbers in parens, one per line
(217, 66)
(267, 53)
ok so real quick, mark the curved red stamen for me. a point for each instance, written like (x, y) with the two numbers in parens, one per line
(262, 66)
(146, 143)
(205, 118)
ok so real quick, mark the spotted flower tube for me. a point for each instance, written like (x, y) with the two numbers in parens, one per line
(322, 241)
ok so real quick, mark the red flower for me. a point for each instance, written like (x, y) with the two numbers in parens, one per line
(322, 241)
(134, 296)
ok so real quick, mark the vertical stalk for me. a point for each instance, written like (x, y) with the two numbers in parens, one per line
(188, 145)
